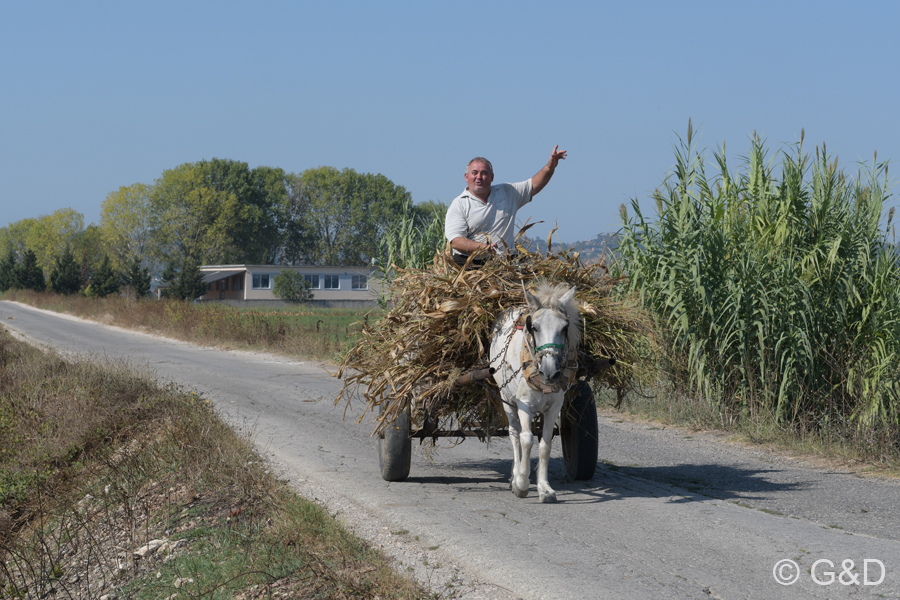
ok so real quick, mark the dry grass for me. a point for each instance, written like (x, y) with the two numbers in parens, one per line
(96, 460)
(439, 327)
(305, 332)
(871, 451)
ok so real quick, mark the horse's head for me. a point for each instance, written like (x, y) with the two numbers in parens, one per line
(552, 329)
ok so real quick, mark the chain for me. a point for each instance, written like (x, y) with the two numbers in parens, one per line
(535, 355)
(512, 332)
(511, 377)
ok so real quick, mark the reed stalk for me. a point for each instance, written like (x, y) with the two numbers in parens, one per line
(776, 283)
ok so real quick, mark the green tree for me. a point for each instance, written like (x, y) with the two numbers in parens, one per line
(9, 273)
(426, 211)
(30, 274)
(105, 280)
(220, 211)
(291, 286)
(49, 235)
(65, 277)
(137, 278)
(297, 240)
(345, 213)
(88, 251)
(125, 223)
(15, 236)
(185, 280)
(264, 203)
(190, 218)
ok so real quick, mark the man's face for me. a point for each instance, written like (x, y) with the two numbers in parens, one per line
(479, 179)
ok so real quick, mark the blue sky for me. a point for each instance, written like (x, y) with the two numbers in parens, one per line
(97, 95)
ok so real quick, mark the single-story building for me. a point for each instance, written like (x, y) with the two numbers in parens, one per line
(254, 284)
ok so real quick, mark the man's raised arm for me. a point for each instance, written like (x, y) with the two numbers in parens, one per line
(543, 176)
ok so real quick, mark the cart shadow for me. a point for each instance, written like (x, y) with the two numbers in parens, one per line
(489, 471)
(679, 483)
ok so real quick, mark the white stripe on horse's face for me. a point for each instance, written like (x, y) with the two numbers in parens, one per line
(549, 331)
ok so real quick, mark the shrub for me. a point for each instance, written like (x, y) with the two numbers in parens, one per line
(291, 286)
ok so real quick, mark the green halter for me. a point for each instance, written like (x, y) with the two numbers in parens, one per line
(545, 346)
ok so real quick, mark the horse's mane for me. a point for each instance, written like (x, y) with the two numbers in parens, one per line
(550, 296)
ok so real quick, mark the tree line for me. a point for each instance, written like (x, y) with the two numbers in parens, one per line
(215, 211)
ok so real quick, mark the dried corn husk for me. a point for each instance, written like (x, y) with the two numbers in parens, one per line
(439, 326)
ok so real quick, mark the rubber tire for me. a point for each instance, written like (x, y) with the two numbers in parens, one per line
(395, 449)
(579, 434)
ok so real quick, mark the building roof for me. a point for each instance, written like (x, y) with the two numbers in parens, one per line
(244, 267)
(210, 276)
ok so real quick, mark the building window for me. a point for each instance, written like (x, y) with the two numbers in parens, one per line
(332, 282)
(260, 282)
(237, 282)
(313, 281)
(360, 282)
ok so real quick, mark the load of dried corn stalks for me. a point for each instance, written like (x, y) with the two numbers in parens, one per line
(439, 324)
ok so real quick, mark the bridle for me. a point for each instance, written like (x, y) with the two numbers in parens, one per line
(530, 357)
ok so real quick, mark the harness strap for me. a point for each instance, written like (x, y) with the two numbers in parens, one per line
(529, 359)
(532, 375)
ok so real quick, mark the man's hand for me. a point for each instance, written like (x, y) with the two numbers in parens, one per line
(543, 176)
(556, 156)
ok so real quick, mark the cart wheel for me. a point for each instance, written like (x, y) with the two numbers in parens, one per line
(395, 449)
(579, 434)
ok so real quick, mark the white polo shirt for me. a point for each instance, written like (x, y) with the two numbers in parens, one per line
(471, 218)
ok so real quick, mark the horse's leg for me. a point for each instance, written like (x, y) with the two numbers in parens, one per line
(522, 472)
(546, 493)
(515, 431)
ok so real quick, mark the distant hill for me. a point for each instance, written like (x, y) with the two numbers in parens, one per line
(590, 250)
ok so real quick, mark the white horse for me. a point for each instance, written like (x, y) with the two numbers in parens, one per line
(534, 351)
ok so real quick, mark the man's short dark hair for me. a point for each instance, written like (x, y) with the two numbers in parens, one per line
(481, 159)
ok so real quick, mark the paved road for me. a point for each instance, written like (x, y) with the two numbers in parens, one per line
(669, 515)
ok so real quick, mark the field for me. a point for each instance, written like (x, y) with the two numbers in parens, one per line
(304, 331)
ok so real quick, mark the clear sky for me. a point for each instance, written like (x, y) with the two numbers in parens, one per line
(97, 95)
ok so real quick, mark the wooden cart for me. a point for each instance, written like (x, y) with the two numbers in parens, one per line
(577, 427)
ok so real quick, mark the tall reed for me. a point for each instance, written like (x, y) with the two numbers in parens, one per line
(412, 241)
(776, 284)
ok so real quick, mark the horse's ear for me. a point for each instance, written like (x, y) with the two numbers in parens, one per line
(568, 297)
(532, 301)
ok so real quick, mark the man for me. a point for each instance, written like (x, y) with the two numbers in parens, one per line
(484, 215)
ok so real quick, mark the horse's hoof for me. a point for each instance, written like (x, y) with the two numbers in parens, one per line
(519, 488)
(548, 498)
